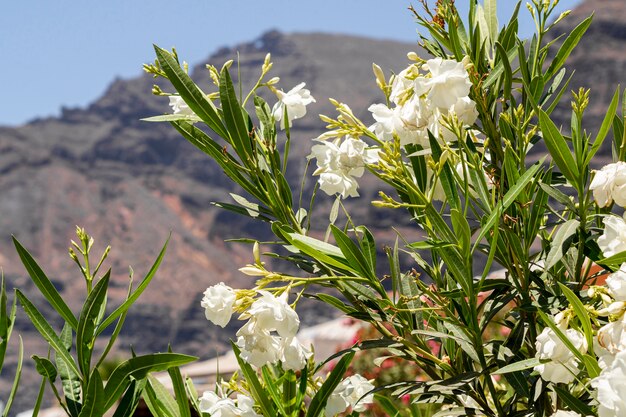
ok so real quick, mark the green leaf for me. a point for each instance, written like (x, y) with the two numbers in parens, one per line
(138, 368)
(172, 118)
(70, 380)
(16, 379)
(159, 399)
(189, 91)
(45, 368)
(44, 285)
(234, 118)
(572, 402)
(353, 255)
(256, 389)
(614, 261)
(88, 321)
(519, 366)
(491, 16)
(93, 405)
(559, 151)
(135, 295)
(319, 250)
(604, 128)
(561, 242)
(462, 229)
(46, 331)
(272, 388)
(581, 313)
(130, 400)
(318, 403)
(507, 200)
(567, 47)
(499, 68)
(179, 392)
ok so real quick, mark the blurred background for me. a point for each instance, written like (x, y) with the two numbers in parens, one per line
(73, 150)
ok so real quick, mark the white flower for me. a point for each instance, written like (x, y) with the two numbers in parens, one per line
(611, 388)
(388, 121)
(258, 347)
(217, 406)
(564, 365)
(613, 240)
(339, 164)
(563, 413)
(294, 354)
(218, 302)
(465, 110)
(351, 392)
(449, 82)
(609, 184)
(616, 283)
(246, 406)
(295, 100)
(611, 340)
(271, 313)
(179, 106)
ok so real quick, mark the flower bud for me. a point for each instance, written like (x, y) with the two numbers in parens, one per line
(252, 271)
(256, 253)
(616, 307)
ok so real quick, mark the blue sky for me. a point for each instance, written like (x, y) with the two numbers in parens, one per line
(65, 52)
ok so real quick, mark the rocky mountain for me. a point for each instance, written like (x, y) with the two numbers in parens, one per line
(132, 183)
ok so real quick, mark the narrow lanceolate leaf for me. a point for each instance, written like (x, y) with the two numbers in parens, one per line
(130, 400)
(519, 366)
(508, 199)
(605, 127)
(318, 403)
(46, 331)
(491, 16)
(138, 368)
(69, 379)
(45, 285)
(135, 295)
(256, 389)
(88, 322)
(16, 379)
(567, 47)
(581, 313)
(561, 242)
(94, 397)
(190, 92)
(179, 391)
(234, 117)
(160, 400)
(559, 151)
(353, 254)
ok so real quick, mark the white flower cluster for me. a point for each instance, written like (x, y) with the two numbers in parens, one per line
(610, 346)
(609, 184)
(423, 96)
(222, 406)
(268, 336)
(563, 365)
(339, 162)
(352, 392)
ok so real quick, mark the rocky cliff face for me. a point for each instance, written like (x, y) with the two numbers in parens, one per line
(131, 183)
